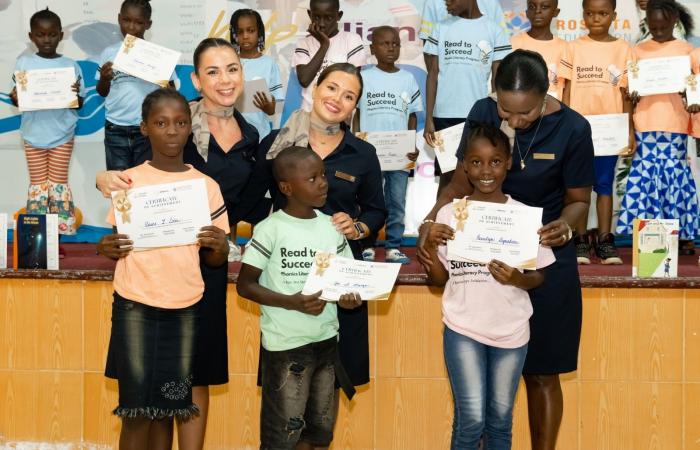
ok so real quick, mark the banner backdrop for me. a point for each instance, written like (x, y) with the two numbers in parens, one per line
(90, 26)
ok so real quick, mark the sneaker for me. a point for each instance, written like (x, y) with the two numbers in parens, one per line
(606, 251)
(395, 256)
(368, 254)
(583, 249)
(234, 252)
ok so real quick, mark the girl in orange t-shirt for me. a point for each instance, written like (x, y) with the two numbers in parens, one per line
(660, 184)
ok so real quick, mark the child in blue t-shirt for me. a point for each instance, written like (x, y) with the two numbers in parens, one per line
(248, 35)
(461, 54)
(296, 327)
(385, 81)
(48, 134)
(125, 147)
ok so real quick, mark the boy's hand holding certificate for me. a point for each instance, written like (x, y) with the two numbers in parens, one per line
(46, 89)
(336, 275)
(485, 231)
(392, 147)
(447, 144)
(610, 133)
(658, 75)
(162, 215)
(146, 60)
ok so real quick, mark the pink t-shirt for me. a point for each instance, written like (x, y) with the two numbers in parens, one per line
(475, 305)
(345, 47)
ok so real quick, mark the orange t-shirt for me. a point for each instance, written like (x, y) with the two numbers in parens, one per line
(663, 112)
(553, 52)
(166, 277)
(596, 71)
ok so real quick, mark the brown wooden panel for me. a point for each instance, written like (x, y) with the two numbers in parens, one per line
(243, 333)
(234, 414)
(356, 423)
(97, 324)
(692, 417)
(692, 335)
(101, 397)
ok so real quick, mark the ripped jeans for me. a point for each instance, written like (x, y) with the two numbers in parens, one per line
(298, 396)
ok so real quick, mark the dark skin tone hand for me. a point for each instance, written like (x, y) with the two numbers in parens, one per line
(307, 72)
(266, 105)
(105, 81)
(75, 87)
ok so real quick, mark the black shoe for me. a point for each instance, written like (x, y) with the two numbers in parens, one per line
(605, 249)
(583, 249)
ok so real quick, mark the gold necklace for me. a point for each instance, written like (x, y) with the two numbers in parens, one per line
(517, 146)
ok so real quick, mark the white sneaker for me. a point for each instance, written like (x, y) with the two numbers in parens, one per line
(234, 252)
(395, 256)
(368, 254)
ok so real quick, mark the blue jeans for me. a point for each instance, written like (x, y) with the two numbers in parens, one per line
(395, 183)
(484, 381)
(125, 146)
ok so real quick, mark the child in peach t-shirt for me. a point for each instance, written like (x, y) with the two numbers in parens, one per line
(660, 184)
(539, 38)
(596, 73)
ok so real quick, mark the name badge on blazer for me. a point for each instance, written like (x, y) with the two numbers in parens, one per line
(344, 176)
(543, 155)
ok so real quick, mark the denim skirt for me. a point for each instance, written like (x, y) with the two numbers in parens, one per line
(151, 355)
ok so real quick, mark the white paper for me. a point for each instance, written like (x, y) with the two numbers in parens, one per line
(692, 90)
(162, 215)
(658, 75)
(392, 147)
(146, 60)
(485, 231)
(245, 103)
(335, 275)
(447, 144)
(43, 89)
(3, 240)
(52, 241)
(610, 133)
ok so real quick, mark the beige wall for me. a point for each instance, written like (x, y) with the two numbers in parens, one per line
(638, 384)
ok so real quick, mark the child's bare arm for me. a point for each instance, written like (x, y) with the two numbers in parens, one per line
(412, 124)
(114, 246)
(628, 107)
(505, 274)
(566, 96)
(307, 72)
(105, 82)
(437, 273)
(432, 65)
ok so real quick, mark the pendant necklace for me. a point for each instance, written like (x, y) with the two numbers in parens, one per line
(517, 146)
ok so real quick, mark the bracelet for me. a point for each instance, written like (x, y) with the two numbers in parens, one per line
(426, 221)
(569, 233)
(360, 231)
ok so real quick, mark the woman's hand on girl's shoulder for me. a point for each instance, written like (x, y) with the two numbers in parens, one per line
(108, 181)
(114, 246)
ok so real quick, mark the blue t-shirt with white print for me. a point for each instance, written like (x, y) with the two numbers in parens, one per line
(264, 68)
(465, 48)
(388, 99)
(435, 11)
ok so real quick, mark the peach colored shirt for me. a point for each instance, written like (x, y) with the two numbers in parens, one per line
(166, 277)
(553, 52)
(695, 118)
(664, 112)
(596, 71)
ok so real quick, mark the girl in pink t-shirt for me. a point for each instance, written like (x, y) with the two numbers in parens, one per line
(660, 184)
(486, 307)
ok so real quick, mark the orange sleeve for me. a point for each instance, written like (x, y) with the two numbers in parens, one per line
(217, 207)
(567, 62)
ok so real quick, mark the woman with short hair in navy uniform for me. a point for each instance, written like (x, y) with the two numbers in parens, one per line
(552, 169)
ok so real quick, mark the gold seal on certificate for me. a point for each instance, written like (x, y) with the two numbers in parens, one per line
(658, 75)
(46, 89)
(335, 275)
(162, 215)
(610, 133)
(146, 60)
(692, 91)
(502, 231)
(392, 147)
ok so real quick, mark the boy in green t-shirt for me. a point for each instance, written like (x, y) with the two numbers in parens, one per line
(299, 332)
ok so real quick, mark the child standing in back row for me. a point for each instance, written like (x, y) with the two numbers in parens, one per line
(48, 134)
(539, 38)
(125, 146)
(248, 36)
(324, 46)
(596, 73)
(660, 184)
(381, 82)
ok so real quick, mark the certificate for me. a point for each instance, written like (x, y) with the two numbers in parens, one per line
(162, 215)
(146, 60)
(447, 141)
(245, 103)
(392, 147)
(46, 89)
(610, 133)
(658, 75)
(486, 231)
(335, 275)
(692, 90)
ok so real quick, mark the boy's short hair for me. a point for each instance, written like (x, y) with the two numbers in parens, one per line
(494, 135)
(334, 3)
(288, 159)
(44, 15)
(383, 29)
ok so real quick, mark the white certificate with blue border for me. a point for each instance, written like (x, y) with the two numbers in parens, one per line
(486, 231)
(162, 215)
(42, 89)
